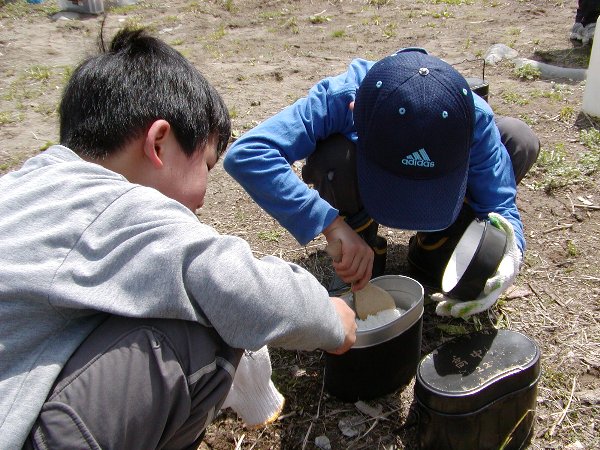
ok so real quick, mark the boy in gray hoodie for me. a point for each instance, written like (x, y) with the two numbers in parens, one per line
(123, 316)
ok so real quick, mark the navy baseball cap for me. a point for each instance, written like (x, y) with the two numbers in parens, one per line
(414, 115)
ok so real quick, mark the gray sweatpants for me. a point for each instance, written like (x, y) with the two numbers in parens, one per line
(138, 384)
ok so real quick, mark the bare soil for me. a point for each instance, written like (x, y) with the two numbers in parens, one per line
(263, 55)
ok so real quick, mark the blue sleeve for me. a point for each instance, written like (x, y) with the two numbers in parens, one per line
(261, 160)
(491, 184)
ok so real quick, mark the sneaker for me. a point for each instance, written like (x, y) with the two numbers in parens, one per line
(576, 32)
(587, 36)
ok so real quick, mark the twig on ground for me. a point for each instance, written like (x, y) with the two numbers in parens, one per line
(564, 412)
(376, 421)
(559, 227)
(238, 444)
(258, 438)
(572, 205)
(317, 416)
(587, 206)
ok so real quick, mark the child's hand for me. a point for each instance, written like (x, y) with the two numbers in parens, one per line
(495, 286)
(355, 264)
(348, 319)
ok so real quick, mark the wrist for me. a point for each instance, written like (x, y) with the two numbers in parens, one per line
(337, 223)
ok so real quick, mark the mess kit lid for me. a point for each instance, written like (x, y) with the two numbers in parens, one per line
(469, 372)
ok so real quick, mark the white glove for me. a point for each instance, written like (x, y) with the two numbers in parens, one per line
(494, 286)
(587, 35)
(576, 32)
(253, 396)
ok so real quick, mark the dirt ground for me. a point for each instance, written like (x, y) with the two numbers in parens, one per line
(263, 55)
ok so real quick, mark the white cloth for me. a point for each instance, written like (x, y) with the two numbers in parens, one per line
(495, 286)
(253, 396)
(587, 35)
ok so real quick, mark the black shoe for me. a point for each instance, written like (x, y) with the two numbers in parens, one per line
(429, 253)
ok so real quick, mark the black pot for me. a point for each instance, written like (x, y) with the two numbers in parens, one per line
(478, 392)
(480, 87)
(382, 359)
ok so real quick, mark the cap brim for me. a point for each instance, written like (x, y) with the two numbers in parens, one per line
(411, 204)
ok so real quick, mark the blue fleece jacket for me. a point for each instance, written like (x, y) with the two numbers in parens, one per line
(261, 159)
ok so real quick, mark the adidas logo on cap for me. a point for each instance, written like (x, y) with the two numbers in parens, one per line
(419, 158)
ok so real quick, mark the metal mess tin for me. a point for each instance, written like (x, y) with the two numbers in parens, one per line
(384, 358)
(478, 392)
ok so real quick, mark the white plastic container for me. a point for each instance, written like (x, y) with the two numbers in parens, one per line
(591, 96)
(82, 6)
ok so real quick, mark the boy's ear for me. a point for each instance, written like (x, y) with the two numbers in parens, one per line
(154, 144)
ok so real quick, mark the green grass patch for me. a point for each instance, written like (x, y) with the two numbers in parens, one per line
(6, 118)
(554, 170)
(389, 31)
(122, 10)
(589, 161)
(566, 114)
(39, 73)
(527, 72)
(219, 33)
(319, 18)
(571, 248)
(558, 93)
(514, 98)
(269, 15)
(452, 2)
(20, 9)
(269, 236)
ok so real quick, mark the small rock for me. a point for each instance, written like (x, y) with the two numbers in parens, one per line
(372, 411)
(352, 426)
(323, 443)
(498, 52)
(591, 397)
(517, 292)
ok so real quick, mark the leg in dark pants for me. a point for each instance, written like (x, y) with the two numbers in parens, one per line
(138, 384)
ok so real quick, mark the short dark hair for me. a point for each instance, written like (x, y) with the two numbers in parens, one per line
(114, 97)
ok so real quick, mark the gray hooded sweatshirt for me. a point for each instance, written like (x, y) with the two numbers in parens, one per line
(78, 242)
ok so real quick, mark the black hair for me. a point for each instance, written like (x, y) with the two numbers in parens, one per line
(113, 98)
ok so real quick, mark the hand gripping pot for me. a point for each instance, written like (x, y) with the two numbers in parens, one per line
(475, 259)
(384, 358)
(478, 392)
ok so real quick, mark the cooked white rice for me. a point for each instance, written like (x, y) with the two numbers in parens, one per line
(381, 318)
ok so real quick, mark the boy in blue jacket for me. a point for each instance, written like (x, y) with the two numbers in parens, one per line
(401, 142)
